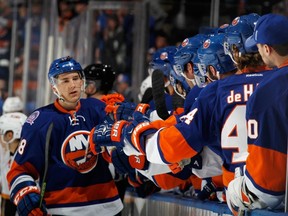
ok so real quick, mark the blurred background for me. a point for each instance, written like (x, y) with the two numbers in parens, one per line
(124, 34)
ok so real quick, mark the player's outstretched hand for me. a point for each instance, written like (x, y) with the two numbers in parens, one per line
(106, 134)
(125, 110)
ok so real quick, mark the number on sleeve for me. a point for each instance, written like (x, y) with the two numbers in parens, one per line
(21, 146)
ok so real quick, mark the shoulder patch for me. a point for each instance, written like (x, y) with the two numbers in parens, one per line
(30, 120)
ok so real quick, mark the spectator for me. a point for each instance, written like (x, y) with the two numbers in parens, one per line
(123, 86)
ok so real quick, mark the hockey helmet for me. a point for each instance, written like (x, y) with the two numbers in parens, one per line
(199, 75)
(12, 104)
(186, 52)
(240, 29)
(63, 65)
(162, 59)
(12, 122)
(211, 53)
(101, 73)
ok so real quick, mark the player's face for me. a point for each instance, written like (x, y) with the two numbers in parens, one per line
(265, 51)
(69, 86)
(190, 74)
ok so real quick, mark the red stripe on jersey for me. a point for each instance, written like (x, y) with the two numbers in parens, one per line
(267, 168)
(174, 146)
(82, 194)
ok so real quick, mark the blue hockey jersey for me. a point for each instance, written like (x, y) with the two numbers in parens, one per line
(267, 120)
(217, 119)
(78, 182)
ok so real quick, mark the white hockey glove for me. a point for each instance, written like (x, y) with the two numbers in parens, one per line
(240, 199)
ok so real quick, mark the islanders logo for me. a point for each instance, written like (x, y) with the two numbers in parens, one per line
(76, 153)
(235, 21)
(185, 42)
(164, 56)
(206, 43)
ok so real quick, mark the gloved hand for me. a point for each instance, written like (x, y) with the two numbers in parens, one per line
(135, 129)
(239, 198)
(125, 110)
(127, 164)
(121, 162)
(207, 191)
(106, 134)
(27, 201)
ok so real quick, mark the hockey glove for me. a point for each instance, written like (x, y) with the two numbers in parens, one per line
(106, 134)
(127, 164)
(239, 198)
(27, 201)
(207, 191)
(125, 110)
(134, 133)
(121, 162)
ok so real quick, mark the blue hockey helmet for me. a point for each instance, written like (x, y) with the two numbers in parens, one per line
(186, 52)
(199, 75)
(63, 65)
(176, 81)
(240, 29)
(211, 53)
(162, 60)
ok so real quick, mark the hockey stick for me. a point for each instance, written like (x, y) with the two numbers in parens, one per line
(47, 144)
(158, 94)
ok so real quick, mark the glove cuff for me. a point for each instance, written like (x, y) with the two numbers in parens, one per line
(142, 107)
(116, 130)
(24, 191)
(91, 143)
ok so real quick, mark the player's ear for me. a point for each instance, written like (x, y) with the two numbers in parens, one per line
(54, 89)
(8, 135)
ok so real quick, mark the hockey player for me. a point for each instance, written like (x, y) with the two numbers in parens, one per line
(99, 80)
(210, 122)
(263, 183)
(10, 105)
(182, 77)
(10, 130)
(54, 149)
